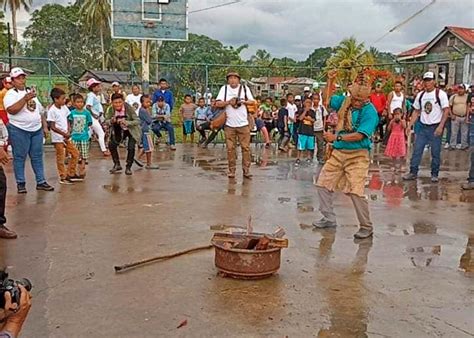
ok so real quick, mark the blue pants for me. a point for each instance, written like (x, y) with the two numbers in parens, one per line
(26, 143)
(447, 126)
(157, 126)
(426, 136)
(471, 171)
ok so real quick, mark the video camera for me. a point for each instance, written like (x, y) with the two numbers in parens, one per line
(11, 286)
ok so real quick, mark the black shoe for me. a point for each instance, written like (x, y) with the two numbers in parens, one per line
(128, 171)
(76, 178)
(21, 188)
(248, 176)
(410, 177)
(44, 187)
(116, 169)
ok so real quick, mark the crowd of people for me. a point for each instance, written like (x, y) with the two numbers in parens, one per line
(302, 121)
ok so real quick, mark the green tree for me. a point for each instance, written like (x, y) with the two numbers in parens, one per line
(3, 35)
(350, 57)
(97, 17)
(14, 6)
(55, 32)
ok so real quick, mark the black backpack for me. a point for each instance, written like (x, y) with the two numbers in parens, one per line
(438, 101)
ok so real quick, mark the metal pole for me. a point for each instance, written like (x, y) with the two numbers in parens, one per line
(49, 77)
(207, 78)
(9, 37)
(145, 65)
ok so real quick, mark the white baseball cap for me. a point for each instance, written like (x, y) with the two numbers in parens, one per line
(17, 71)
(8, 79)
(115, 83)
(298, 97)
(92, 82)
(428, 76)
(306, 89)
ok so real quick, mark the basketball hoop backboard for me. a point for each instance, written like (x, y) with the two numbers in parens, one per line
(150, 19)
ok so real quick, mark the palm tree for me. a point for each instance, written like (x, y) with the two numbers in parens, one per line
(14, 6)
(261, 57)
(97, 16)
(350, 57)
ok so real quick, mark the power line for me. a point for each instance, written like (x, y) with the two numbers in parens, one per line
(216, 6)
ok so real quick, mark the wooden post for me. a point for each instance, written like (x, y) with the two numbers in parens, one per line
(145, 66)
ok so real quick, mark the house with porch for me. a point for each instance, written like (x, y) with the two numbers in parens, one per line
(451, 52)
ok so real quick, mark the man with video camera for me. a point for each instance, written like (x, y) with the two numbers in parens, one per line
(13, 314)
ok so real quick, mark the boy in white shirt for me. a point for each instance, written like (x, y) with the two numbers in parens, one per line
(134, 98)
(60, 136)
(319, 124)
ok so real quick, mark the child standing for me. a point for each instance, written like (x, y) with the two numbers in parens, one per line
(57, 118)
(319, 125)
(186, 113)
(282, 126)
(396, 147)
(202, 115)
(145, 123)
(306, 117)
(80, 119)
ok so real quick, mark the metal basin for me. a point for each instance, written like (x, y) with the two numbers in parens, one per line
(246, 264)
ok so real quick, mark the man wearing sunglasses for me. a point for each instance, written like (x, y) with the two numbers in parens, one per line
(432, 106)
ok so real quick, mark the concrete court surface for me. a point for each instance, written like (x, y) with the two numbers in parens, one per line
(414, 279)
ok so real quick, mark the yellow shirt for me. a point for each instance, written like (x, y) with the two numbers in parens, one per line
(2, 95)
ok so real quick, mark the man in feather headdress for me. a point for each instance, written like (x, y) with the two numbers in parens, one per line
(348, 165)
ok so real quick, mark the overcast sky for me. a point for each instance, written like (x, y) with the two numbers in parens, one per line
(295, 28)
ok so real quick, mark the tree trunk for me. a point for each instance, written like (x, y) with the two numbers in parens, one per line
(102, 47)
(15, 33)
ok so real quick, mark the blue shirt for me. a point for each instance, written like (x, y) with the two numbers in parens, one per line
(203, 113)
(164, 113)
(167, 95)
(145, 120)
(80, 122)
(94, 102)
(368, 123)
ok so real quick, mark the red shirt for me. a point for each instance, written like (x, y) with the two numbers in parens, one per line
(379, 101)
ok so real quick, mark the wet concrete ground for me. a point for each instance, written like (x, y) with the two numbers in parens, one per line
(414, 279)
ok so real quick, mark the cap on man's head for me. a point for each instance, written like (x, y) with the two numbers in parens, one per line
(17, 71)
(429, 76)
(115, 84)
(91, 82)
(298, 97)
(306, 89)
(462, 86)
(229, 74)
(8, 79)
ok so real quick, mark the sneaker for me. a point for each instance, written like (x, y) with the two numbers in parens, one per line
(458, 146)
(468, 186)
(65, 181)
(465, 148)
(410, 177)
(106, 153)
(128, 171)
(21, 188)
(434, 179)
(363, 233)
(139, 163)
(116, 169)
(44, 187)
(309, 161)
(76, 178)
(152, 167)
(297, 162)
(6, 233)
(173, 148)
(248, 176)
(446, 145)
(324, 223)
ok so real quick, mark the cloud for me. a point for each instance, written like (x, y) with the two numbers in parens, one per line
(295, 28)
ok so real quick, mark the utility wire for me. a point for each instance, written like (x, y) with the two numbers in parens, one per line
(406, 21)
(216, 6)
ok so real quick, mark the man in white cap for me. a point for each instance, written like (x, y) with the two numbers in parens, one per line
(117, 89)
(94, 105)
(306, 93)
(432, 106)
(25, 130)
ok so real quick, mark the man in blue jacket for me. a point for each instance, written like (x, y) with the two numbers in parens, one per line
(164, 92)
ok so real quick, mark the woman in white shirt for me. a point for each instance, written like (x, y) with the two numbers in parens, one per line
(25, 129)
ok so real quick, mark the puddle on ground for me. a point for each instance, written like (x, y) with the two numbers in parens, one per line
(117, 189)
(305, 204)
(284, 199)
